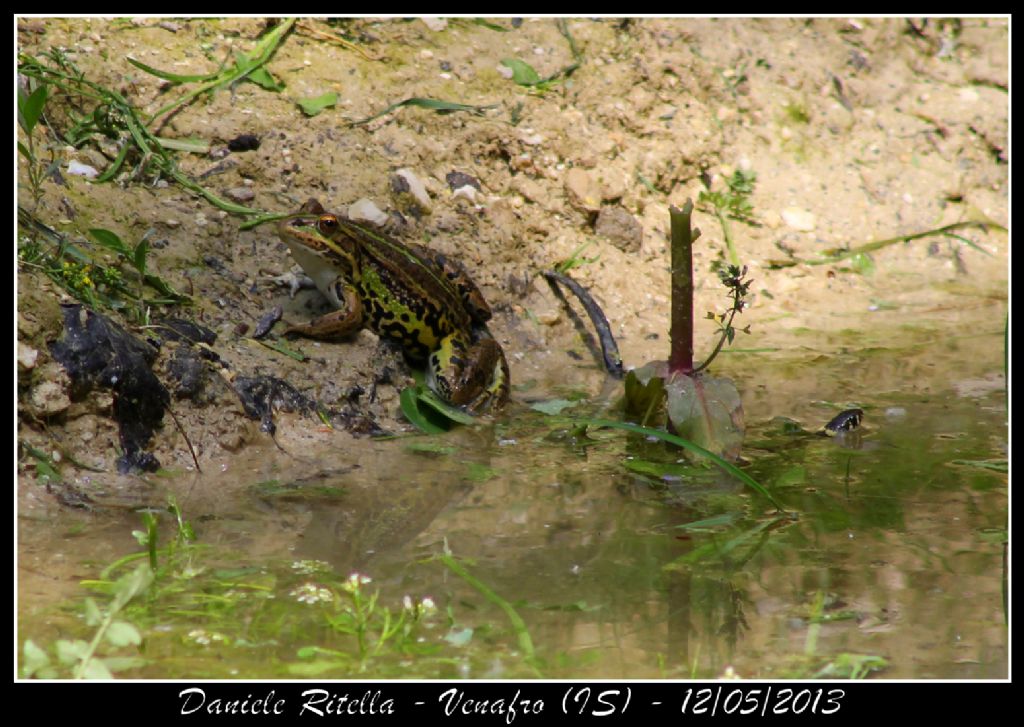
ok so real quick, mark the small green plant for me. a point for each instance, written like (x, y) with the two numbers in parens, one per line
(358, 614)
(30, 110)
(733, 202)
(523, 73)
(85, 277)
(81, 659)
(576, 260)
(797, 113)
(457, 567)
(732, 278)
(112, 117)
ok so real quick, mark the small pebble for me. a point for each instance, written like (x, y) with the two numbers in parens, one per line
(365, 210)
(26, 356)
(408, 189)
(267, 321)
(435, 24)
(77, 169)
(798, 219)
(240, 194)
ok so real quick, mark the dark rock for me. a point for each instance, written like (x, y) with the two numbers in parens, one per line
(98, 353)
(620, 228)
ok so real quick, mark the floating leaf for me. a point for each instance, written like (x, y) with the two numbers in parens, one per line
(459, 637)
(689, 446)
(313, 106)
(796, 475)
(552, 406)
(120, 663)
(314, 669)
(661, 470)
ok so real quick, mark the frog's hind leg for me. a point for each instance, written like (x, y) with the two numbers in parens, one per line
(475, 377)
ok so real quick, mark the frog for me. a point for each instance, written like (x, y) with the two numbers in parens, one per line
(419, 297)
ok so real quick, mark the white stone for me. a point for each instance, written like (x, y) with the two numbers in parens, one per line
(26, 356)
(798, 219)
(435, 24)
(366, 210)
(416, 188)
(77, 169)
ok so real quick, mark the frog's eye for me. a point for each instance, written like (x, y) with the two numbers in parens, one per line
(327, 224)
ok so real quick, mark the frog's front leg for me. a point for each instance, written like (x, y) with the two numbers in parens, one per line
(474, 376)
(337, 324)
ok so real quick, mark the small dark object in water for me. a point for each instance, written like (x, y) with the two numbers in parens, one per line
(244, 142)
(70, 496)
(267, 321)
(844, 421)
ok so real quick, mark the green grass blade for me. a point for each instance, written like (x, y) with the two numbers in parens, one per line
(426, 103)
(518, 625)
(172, 77)
(970, 243)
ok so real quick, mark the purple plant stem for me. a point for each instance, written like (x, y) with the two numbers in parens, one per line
(681, 333)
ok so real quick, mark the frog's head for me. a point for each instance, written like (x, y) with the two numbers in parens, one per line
(319, 242)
